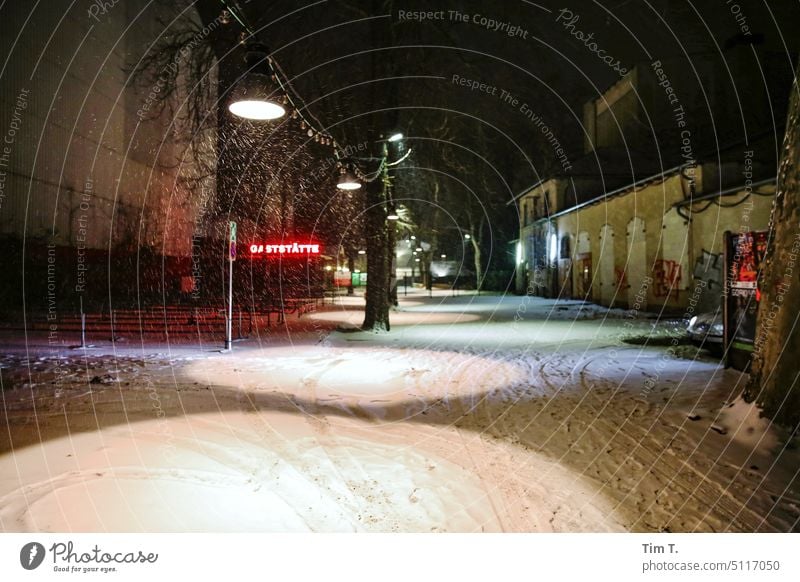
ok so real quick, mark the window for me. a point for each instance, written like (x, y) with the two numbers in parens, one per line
(564, 253)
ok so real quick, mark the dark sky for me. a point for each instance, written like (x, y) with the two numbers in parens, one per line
(349, 59)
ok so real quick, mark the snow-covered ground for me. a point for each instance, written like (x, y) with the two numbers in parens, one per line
(475, 413)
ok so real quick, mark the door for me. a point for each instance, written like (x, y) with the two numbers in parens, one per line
(636, 264)
(605, 266)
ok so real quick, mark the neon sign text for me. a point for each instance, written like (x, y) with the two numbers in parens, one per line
(293, 248)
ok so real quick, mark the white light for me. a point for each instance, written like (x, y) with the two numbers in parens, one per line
(328, 268)
(413, 237)
(347, 181)
(416, 260)
(348, 186)
(260, 110)
(362, 252)
(467, 237)
(553, 247)
(519, 253)
(392, 216)
(396, 137)
(357, 271)
(444, 256)
(419, 249)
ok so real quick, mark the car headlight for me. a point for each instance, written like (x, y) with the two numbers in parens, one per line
(717, 329)
(692, 321)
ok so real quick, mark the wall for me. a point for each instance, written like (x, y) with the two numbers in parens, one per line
(681, 263)
(83, 170)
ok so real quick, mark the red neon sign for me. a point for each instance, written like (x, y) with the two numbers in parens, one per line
(288, 248)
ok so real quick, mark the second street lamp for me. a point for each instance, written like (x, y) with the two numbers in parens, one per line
(252, 97)
(347, 180)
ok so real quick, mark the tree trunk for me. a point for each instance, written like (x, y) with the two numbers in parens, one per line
(476, 249)
(391, 244)
(774, 372)
(376, 311)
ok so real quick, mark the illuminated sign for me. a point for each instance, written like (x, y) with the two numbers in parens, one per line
(290, 248)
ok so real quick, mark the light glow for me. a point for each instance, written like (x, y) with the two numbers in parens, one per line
(396, 137)
(347, 180)
(348, 185)
(256, 109)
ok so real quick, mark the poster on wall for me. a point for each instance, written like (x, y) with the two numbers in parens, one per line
(744, 255)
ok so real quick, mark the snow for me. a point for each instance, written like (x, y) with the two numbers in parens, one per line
(234, 472)
(475, 413)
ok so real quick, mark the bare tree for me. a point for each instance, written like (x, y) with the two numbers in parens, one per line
(774, 373)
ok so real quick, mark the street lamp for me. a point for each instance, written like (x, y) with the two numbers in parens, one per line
(347, 180)
(395, 137)
(252, 96)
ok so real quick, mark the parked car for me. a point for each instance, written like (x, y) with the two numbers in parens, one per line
(706, 330)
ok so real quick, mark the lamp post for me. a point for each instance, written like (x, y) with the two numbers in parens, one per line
(229, 314)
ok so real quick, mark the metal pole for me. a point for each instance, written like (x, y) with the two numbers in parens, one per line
(83, 326)
(229, 322)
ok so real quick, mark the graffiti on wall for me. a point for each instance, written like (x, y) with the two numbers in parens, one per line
(666, 278)
(708, 268)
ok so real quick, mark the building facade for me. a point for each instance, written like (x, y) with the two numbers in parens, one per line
(636, 232)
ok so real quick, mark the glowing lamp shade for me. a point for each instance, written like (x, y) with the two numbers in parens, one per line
(252, 98)
(259, 110)
(347, 181)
